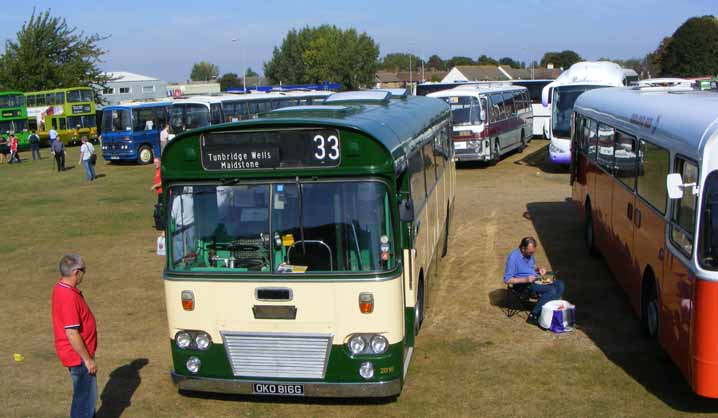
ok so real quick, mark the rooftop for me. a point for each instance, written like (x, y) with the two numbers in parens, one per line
(127, 77)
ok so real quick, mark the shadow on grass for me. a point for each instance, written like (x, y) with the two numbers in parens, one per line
(604, 313)
(539, 159)
(288, 399)
(118, 391)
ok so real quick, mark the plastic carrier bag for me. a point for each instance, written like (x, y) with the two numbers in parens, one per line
(558, 316)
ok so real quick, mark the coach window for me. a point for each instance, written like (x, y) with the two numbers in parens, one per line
(509, 105)
(497, 107)
(592, 134)
(683, 210)
(41, 100)
(216, 112)
(653, 167)
(160, 117)
(30, 101)
(418, 186)
(604, 156)
(708, 241)
(624, 154)
(439, 158)
(63, 123)
(429, 169)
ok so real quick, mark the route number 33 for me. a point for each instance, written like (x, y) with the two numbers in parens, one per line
(326, 147)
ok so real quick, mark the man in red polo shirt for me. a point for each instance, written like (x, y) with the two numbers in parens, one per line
(75, 335)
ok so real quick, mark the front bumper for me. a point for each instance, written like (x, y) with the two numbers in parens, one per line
(311, 389)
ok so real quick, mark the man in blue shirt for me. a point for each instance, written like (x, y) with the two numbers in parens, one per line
(521, 270)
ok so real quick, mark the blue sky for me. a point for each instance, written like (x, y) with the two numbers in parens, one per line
(163, 38)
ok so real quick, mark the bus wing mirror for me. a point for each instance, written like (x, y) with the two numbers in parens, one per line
(674, 182)
(675, 186)
(406, 210)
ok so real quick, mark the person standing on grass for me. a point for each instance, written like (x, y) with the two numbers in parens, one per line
(86, 151)
(53, 135)
(521, 270)
(4, 149)
(75, 332)
(58, 148)
(34, 145)
(14, 156)
(164, 137)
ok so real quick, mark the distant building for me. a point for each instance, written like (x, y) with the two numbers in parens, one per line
(498, 73)
(193, 88)
(402, 79)
(126, 87)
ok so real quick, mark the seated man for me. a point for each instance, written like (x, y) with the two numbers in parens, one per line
(521, 270)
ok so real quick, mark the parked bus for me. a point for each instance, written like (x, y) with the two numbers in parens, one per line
(540, 113)
(70, 111)
(248, 106)
(561, 94)
(645, 178)
(13, 117)
(488, 122)
(195, 112)
(132, 132)
(299, 245)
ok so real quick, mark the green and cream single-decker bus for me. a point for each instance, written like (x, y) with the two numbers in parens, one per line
(299, 245)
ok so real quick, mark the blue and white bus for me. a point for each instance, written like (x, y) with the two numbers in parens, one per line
(561, 94)
(131, 132)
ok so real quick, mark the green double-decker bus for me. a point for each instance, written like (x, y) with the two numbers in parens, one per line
(299, 245)
(13, 117)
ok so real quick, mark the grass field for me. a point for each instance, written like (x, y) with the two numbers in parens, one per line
(471, 360)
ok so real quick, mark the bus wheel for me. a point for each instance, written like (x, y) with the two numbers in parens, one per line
(496, 153)
(145, 155)
(523, 145)
(419, 308)
(588, 233)
(650, 314)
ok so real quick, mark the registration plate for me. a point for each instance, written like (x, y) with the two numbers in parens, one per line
(277, 389)
(460, 145)
(115, 157)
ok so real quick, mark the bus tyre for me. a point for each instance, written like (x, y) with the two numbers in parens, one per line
(495, 153)
(650, 312)
(589, 234)
(419, 308)
(145, 155)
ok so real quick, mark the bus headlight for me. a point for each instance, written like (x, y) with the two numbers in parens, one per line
(366, 370)
(183, 339)
(202, 340)
(193, 364)
(379, 344)
(357, 344)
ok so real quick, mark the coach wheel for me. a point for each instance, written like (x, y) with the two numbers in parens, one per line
(497, 152)
(145, 155)
(589, 233)
(419, 308)
(649, 317)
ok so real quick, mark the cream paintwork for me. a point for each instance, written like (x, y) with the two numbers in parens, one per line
(322, 308)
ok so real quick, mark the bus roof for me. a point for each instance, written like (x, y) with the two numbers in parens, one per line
(677, 120)
(205, 100)
(10, 92)
(393, 123)
(58, 90)
(137, 105)
(475, 90)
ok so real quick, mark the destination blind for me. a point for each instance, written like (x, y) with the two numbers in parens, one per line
(253, 150)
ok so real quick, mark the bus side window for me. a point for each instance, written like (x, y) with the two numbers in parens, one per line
(429, 168)
(438, 151)
(63, 123)
(624, 154)
(592, 135)
(683, 209)
(30, 101)
(509, 105)
(216, 113)
(54, 123)
(418, 185)
(653, 167)
(708, 236)
(604, 156)
(160, 117)
(497, 108)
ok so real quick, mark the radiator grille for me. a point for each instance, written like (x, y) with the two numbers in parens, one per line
(277, 355)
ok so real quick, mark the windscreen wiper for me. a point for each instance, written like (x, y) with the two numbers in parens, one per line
(301, 216)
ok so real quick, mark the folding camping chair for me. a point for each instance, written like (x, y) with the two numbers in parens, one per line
(519, 298)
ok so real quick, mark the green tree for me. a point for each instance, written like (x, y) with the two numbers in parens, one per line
(229, 80)
(251, 73)
(324, 53)
(510, 62)
(563, 59)
(399, 61)
(48, 54)
(436, 63)
(486, 60)
(204, 71)
(691, 52)
(459, 60)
